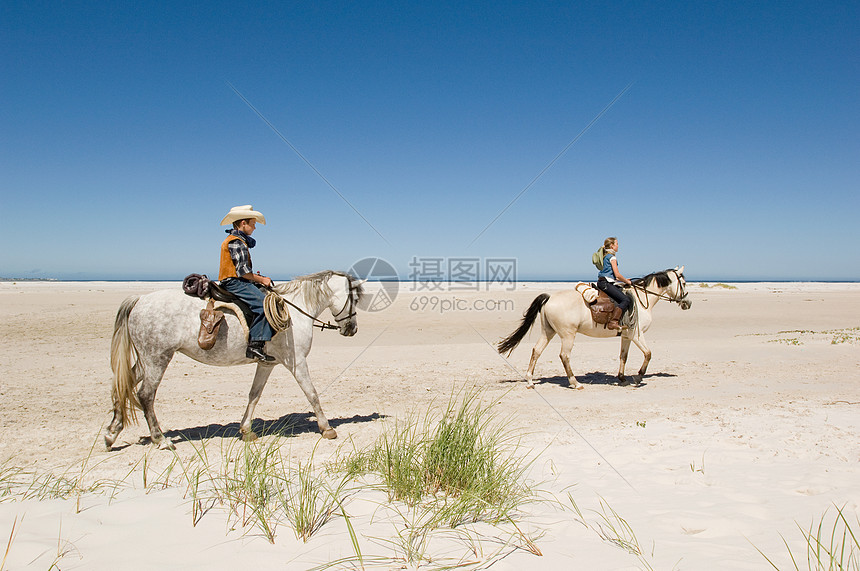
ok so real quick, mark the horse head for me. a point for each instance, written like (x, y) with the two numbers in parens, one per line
(346, 293)
(680, 295)
(670, 285)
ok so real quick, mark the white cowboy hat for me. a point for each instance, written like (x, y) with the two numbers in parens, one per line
(241, 213)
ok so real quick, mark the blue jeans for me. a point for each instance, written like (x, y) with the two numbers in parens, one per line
(259, 330)
(615, 293)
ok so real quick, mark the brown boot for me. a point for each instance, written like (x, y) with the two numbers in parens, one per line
(613, 319)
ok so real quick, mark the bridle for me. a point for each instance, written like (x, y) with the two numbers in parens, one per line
(679, 298)
(323, 325)
(350, 300)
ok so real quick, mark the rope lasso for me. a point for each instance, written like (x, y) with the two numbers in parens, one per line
(278, 314)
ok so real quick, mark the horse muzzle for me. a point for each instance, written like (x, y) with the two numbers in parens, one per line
(349, 329)
(685, 304)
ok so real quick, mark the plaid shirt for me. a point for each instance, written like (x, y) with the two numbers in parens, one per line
(240, 255)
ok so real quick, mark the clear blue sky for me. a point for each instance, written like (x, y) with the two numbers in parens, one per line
(734, 147)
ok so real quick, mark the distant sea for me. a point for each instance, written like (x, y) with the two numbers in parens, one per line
(690, 279)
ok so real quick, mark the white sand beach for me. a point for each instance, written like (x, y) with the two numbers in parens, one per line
(744, 429)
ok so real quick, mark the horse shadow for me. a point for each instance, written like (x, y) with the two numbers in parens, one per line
(289, 425)
(593, 378)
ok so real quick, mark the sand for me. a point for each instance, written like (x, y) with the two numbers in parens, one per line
(745, 427)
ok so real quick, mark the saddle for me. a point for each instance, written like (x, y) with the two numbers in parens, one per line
(218, 293)
(602, 308)
(601, 305)
(197, 285)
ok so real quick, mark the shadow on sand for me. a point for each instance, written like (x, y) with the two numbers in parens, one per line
(288, 425)
(593, 378)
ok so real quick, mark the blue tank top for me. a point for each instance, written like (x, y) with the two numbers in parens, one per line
(607, 272)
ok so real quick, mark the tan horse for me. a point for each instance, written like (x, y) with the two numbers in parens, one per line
(565, 313)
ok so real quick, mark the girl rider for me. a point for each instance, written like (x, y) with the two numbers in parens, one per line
(608, 279)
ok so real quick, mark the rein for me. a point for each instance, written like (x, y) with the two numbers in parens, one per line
(638, 288)
(279, 301)
(278, 313)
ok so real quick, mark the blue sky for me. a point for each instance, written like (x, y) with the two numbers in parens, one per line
(731, 147)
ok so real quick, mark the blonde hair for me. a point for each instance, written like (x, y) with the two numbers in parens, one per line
(609, 241)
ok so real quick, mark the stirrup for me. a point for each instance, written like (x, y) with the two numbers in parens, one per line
(255, 351)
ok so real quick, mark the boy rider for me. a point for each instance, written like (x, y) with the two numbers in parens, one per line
(236, 276)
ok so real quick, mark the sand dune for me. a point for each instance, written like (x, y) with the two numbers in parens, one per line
(744, 428)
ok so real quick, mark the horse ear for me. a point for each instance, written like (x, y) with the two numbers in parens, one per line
(680, 270)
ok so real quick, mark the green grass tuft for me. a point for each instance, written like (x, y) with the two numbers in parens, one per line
(455, 459)
(832, 546)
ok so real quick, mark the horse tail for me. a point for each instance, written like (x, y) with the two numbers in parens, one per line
(509, 343)
(123, 355)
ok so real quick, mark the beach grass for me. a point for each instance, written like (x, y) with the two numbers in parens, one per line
(718, 285)
(444, 470)
(9, 544)
(611, 528)
(455, 458)
(831, 545)
(311, 497)
(447, 474)
(260, 488)
(849, 335)
(18, 483)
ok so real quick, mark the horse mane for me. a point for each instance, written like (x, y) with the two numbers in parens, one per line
(662, 278)
(314, 287)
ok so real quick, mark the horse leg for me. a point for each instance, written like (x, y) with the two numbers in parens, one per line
(304, 379)
(646, 352)
(116, 425)
(153, 371)
(113, 430)
(622, 360)
(260, 379)
(566, 347)
(546, 336)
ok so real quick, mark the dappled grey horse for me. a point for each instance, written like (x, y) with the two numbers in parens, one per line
(151, 328)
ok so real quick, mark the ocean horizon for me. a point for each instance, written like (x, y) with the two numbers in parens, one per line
(523, 280)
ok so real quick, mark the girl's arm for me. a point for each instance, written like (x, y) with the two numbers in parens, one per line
(617, 273)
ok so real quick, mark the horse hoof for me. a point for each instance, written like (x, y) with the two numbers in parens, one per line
(166, 445)
(530, 386)
(249, 436)
(329, 433)
(623, 382)
(579, 386)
